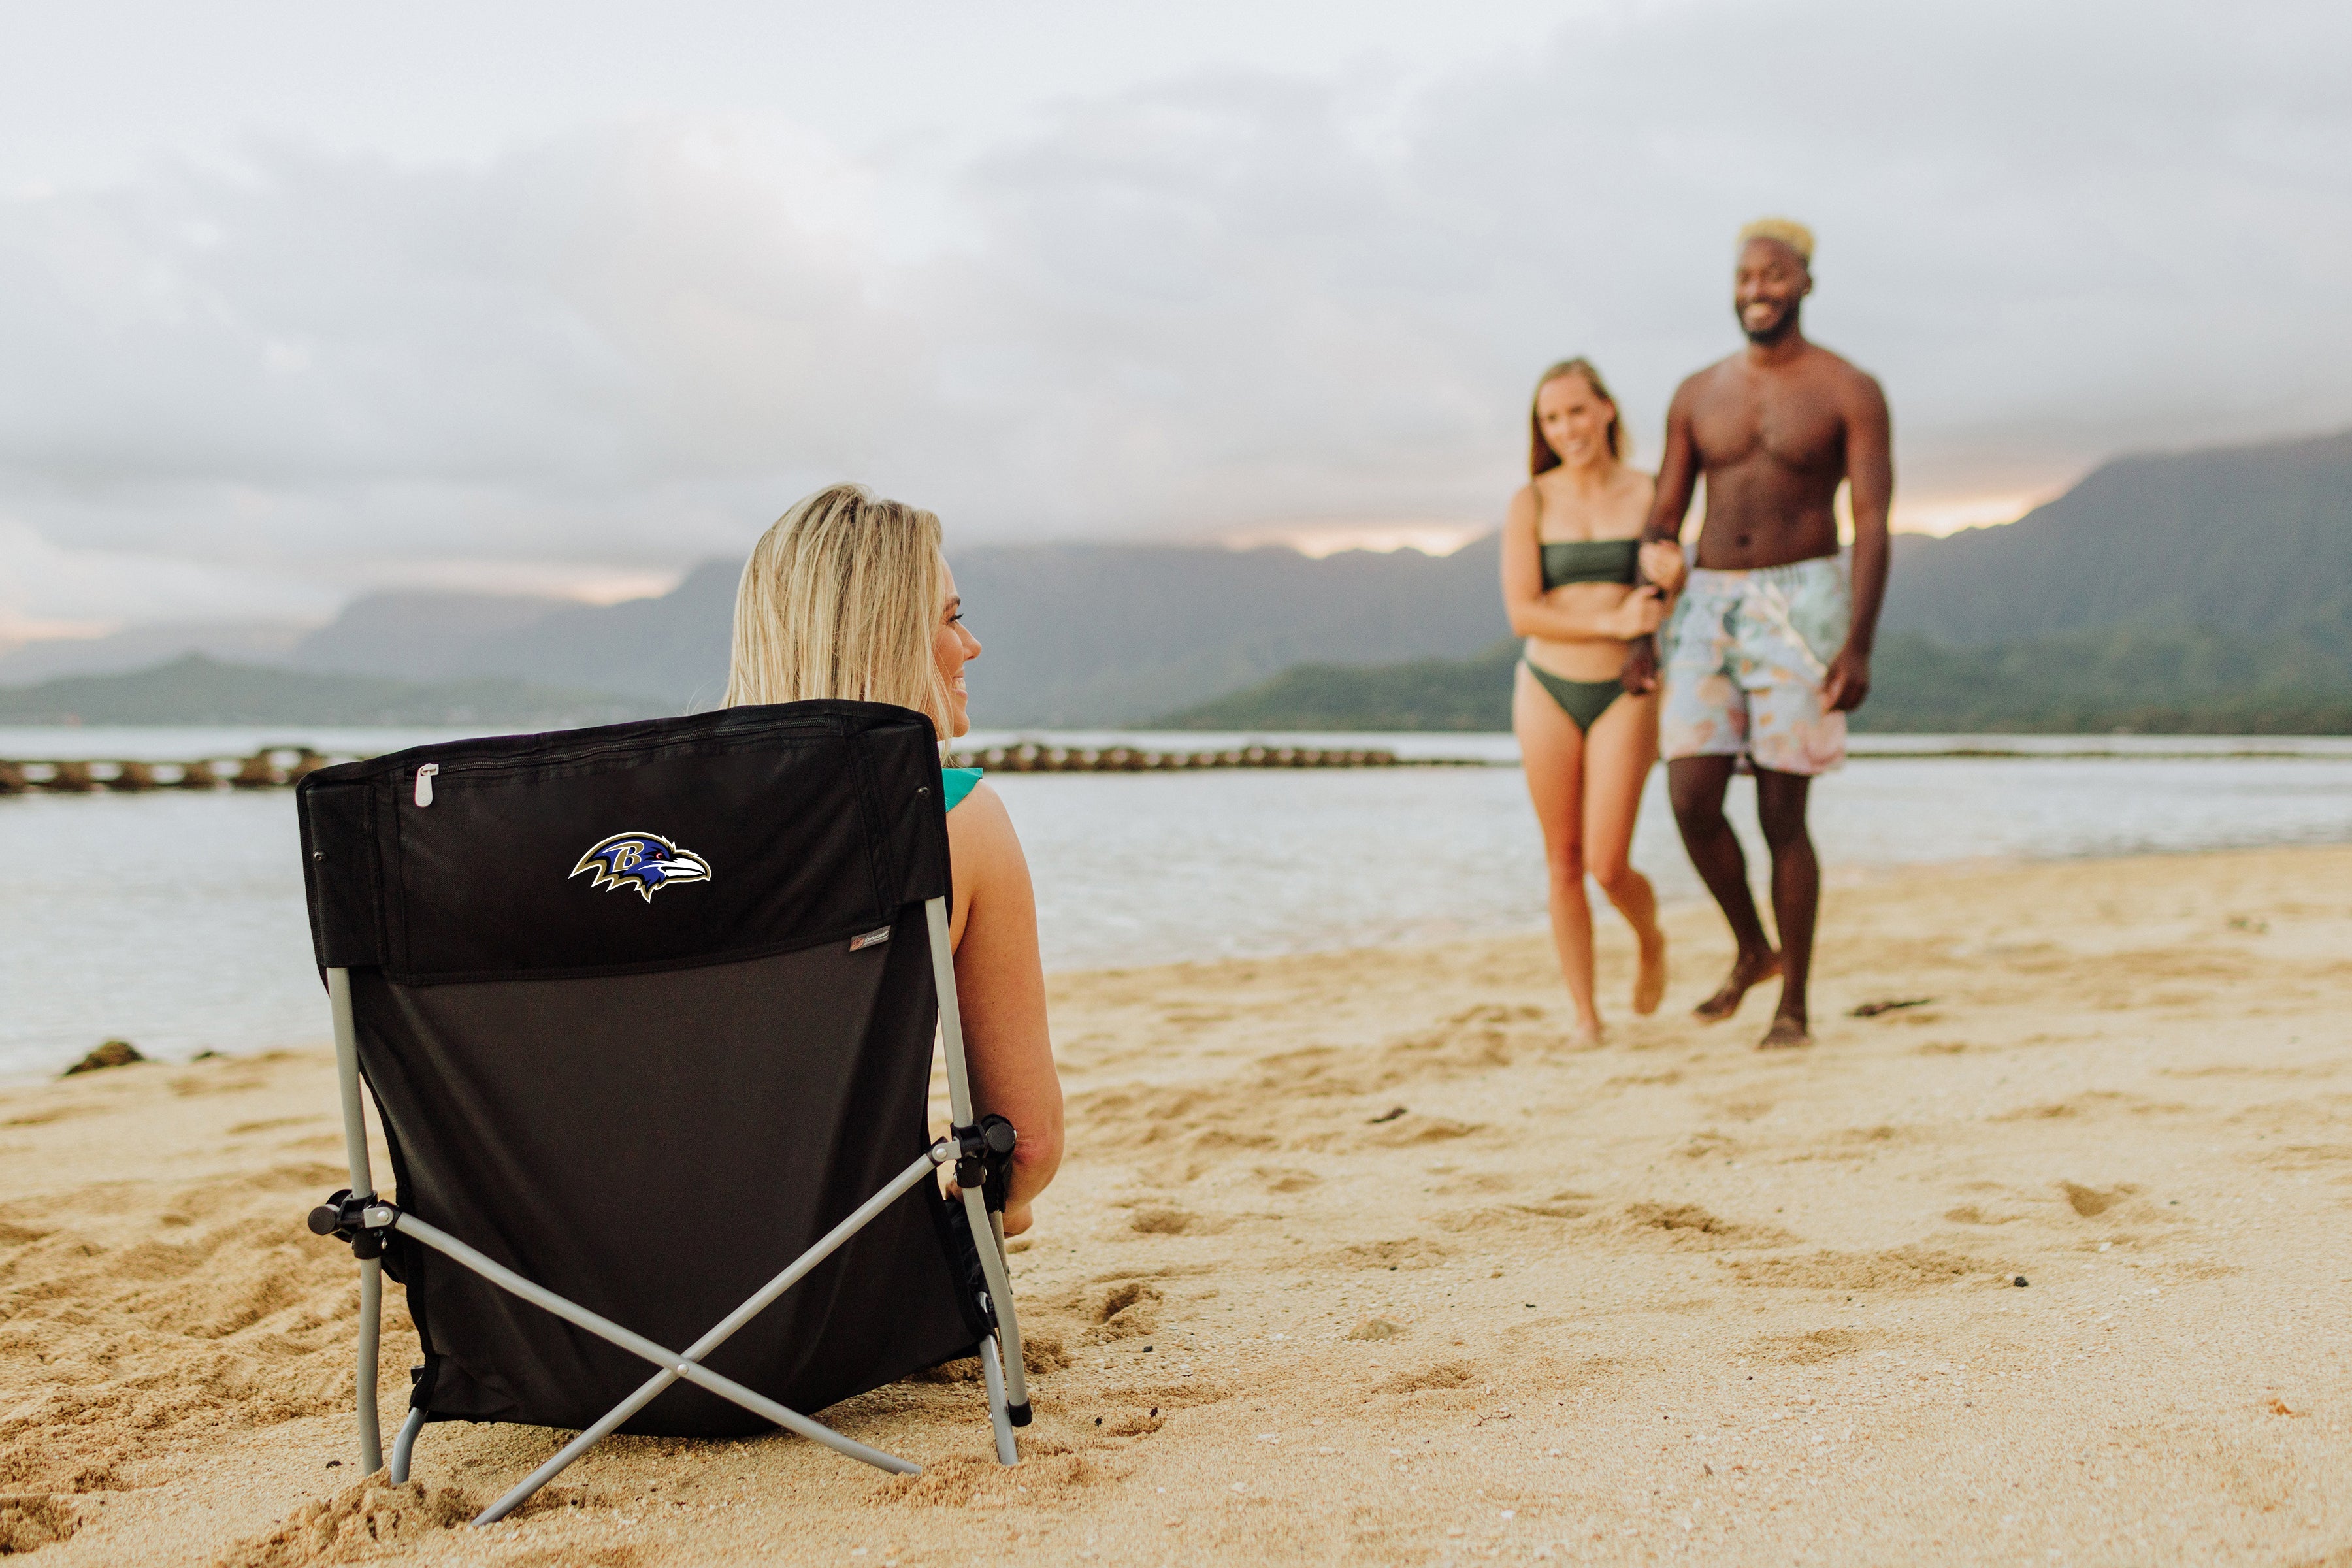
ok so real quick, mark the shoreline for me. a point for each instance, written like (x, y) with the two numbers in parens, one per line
(1836, 877)
(1352, 1261)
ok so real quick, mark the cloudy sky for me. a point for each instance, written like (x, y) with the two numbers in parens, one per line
(296, 300)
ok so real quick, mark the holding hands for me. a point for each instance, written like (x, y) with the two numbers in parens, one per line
(1638, 615)
(1663, 564)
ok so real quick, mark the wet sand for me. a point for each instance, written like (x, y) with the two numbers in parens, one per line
(1352, 1261)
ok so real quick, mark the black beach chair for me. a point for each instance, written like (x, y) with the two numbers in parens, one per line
(647, 1013)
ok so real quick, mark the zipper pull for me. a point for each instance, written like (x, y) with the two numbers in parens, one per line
(424, 783)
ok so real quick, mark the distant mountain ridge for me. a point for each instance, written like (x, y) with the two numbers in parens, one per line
(1072, 634)
(196, 689)
(2251, 544)
(2249, 540)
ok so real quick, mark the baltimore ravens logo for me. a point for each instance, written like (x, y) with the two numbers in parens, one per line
(645, 861)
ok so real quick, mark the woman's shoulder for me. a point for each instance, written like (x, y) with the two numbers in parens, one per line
(976, 809)
(959, 782)
(981, 835)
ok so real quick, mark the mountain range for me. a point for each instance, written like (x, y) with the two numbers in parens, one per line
(198, 690)
(2196, 589)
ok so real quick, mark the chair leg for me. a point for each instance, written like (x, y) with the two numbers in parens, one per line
(355, 1151)
(992, 1367)
(371, 1322)
(673, 1365)
(404, 1444)
(1016, 1363)
(988, 1240)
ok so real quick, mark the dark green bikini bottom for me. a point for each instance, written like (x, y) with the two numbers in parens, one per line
(1583, 701)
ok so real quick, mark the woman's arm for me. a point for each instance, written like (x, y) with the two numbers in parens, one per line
(1000, 990)
(1532, 616)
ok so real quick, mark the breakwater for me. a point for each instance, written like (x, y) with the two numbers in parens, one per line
(275, 767)
(1043, 757)
(272, 767)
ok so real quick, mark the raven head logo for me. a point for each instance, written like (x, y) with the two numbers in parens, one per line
(646, 861)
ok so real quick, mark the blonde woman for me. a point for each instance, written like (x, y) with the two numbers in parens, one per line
(1570, 547)
(849, 596)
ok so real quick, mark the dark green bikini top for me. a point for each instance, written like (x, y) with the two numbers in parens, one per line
(1590, 560)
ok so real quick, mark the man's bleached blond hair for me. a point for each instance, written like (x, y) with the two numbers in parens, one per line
(1788, 231)
(842, 598)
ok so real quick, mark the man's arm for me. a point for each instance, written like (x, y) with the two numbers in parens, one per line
(1869, 469)
(1679, 472)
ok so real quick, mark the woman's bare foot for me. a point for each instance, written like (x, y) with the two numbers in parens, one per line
(1785, 1034)
(1586, 1036)
(1748, 972)
(1649, 985)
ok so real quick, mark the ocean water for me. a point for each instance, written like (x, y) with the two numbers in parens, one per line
(176, 921)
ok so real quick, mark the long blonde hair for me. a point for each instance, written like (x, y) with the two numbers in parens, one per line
(839, 599)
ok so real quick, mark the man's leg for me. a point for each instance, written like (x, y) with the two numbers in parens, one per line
(1697, 785)
(1796, 896)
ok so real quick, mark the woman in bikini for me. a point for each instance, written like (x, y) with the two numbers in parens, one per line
(849, 596)
(1570, 544)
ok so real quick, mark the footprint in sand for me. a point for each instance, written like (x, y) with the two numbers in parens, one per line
(1813, 1347)
(1910, 1268)
(29, 1523)
(1162, 1219)
(2090, 1201)
(1443, 1377)
(1413, 1252)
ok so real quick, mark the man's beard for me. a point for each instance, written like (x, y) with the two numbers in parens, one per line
(1782, 326)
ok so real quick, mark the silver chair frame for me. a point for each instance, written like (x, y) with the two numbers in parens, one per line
(1008, 1389)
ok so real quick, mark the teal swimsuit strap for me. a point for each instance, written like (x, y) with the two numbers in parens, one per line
(1583, 701)
(959, 782)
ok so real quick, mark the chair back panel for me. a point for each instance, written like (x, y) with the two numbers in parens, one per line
(627, 848)
(648, 1084)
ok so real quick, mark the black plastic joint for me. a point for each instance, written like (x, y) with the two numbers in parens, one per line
(984, 1160)
(1018, 1414)
(344, 1217)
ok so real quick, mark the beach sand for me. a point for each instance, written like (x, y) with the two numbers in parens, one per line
(1350, 1261)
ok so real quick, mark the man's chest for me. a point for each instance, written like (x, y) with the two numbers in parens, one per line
(1781, 421)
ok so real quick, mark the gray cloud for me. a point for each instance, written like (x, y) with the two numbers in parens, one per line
(1224, 300)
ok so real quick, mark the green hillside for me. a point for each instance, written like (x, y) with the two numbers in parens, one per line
(2253, 540)
(200, 691)
(2155, 682)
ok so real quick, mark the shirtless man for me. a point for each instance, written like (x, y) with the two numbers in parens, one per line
(1768, 647)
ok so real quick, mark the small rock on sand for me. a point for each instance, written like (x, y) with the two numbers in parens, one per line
(113, 1054)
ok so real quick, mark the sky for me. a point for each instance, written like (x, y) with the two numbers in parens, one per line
(300, 300)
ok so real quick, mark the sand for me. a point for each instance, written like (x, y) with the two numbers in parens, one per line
(1351, 1261)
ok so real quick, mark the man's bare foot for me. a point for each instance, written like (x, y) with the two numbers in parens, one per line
(1649, 985)
(1747, 973)
(1785, 1034)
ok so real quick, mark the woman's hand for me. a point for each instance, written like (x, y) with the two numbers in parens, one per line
(1638, 615)
(1663, 564)
(1017, 1216)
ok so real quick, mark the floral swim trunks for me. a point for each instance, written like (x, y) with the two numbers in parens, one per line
(1746, 654)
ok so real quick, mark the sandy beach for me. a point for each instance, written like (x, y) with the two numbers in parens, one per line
(1351, 1261)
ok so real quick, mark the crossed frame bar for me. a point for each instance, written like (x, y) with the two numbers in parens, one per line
(1008, 1392)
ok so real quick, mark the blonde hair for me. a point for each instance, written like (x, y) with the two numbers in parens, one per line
(1787, 231)
(1541, 458)
(840, 598)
